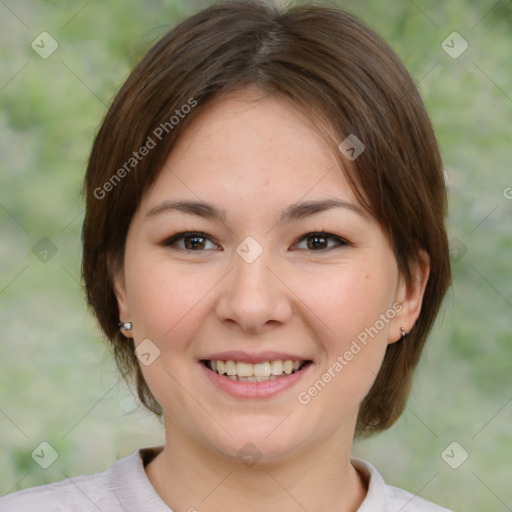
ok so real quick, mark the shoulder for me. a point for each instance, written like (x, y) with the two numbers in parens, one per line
(80, 494)
(410, 502)
(386, 498)
(124, 486)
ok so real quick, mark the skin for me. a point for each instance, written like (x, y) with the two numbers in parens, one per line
(253, 156)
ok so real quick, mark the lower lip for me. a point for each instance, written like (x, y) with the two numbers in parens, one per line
(241, 389)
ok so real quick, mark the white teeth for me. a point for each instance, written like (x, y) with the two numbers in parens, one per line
(276, 367)
(243, 369)
(230, 367)
(261, 369)
(254, 379)
(259, 372)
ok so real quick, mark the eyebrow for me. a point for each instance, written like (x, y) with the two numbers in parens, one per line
(293, 212)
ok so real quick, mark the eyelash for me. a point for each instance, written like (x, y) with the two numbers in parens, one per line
(171, 241)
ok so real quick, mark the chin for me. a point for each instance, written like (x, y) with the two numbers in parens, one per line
(258, 439)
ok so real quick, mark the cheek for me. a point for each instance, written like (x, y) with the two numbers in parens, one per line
(351, 306)
(167, 304)
(349, 299)
(358, 308)
(167, 299)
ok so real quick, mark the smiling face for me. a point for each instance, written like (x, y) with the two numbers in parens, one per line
(279, 263)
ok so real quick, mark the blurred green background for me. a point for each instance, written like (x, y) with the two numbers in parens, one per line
(58, 382)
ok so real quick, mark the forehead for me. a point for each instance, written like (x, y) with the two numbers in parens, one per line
(251, 149)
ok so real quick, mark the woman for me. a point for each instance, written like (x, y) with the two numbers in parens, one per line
(264, 247)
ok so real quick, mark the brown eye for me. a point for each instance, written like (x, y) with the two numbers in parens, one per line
(190, 241)
(317, 242)
(194, 242)
(321, 241)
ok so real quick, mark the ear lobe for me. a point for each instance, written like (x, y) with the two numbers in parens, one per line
(411, 298)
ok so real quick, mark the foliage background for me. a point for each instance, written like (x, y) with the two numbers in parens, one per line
(58, 382)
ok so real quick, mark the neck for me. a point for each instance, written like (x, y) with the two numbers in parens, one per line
(191, 477)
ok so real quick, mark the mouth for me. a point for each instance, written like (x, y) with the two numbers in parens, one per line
(258, 372)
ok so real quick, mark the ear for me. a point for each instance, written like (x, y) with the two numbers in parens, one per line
(118, 280)
(410, 297)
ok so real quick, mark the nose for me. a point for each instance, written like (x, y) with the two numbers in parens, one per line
(254, 296)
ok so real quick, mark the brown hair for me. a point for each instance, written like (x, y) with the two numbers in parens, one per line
(331, 65)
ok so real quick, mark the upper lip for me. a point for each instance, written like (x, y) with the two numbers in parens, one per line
(246, 357)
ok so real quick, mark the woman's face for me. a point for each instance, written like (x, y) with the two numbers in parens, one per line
(279, 263)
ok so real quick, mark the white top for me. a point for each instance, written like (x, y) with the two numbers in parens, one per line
(126, 488)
